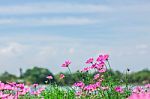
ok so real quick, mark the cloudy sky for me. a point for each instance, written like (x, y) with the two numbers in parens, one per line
(47, 32)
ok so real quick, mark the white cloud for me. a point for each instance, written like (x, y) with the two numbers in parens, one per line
(48, 21)
(52, 55)
(38, 8)
(12, 49)
(47, 51)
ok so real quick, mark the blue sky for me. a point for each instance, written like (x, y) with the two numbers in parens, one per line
(47, 32)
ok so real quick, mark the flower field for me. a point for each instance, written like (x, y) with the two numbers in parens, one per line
(101, 86)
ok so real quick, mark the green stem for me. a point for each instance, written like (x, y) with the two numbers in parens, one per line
(126, 80)
(71, 76)
(109, 65)
(69, 70)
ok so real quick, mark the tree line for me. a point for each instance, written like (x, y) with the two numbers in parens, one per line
(38, 75)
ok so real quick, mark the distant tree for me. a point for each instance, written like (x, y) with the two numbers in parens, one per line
(7, 77)
(37, 75)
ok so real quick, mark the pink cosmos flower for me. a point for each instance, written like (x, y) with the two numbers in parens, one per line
(35, 85)
(49, 77)
(2, 85)
(97, 84)
(35, 93)
(23, 91)
(140, 96)
(119, 89)
(102, 70)
(12, 97)
(79, 84)
(3, 96)
(147, 86)
(66, 64)
(102, 58)
(79, 93)
(41, 89)
(100, 65)
(90, 60)
(61, 76)
(101, 79)
(138, 89)
(90, 87)
(105, 88)
(12, 83)
(86, 69)
(93, 66)
(105, 57)
(21, 86)
(38, 92)
(8, 87)
(96, 76)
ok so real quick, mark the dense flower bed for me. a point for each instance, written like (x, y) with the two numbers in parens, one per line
(100, 87)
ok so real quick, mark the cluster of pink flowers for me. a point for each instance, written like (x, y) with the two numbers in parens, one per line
(147, 86)
(99, 64)
(140, 92)
(15, 90)
(140, 96)
(140, 89)
(92, 87)
(100, 67)
(79, 84)
(102, 58)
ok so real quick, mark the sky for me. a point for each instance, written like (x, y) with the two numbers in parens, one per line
(45, 33)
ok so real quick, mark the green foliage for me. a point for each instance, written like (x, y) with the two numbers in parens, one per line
(59, 88)
(56, 92)
(7, 77)
(37, 75)
(141, 77)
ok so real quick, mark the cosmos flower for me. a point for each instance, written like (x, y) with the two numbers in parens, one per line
(102, 58)
(96, 76)
(119, 89)
(79, 84)
(139, 96)
(90, 60)
(66, 63)
(102, 70)
(61, 76)
(49, 77)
